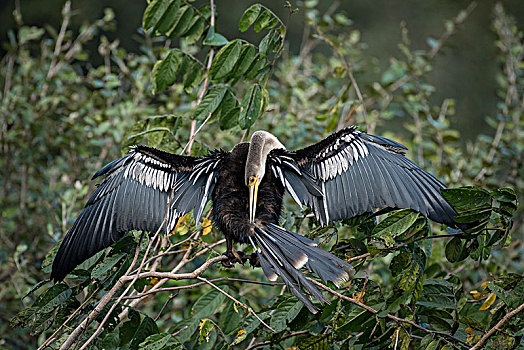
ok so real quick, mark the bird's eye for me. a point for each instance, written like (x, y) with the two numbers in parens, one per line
(252, 180)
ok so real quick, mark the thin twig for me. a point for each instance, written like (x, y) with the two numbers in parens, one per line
(189, 286)
(497, 327)
(349, 71)
(193, 133)
(98, 309)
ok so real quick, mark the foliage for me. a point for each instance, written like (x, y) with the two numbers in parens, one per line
(62, 118)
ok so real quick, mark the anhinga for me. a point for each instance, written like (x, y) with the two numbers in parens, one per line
(346, 174)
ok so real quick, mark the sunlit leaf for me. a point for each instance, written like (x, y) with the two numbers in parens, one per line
(488, 302)
(249, 17)
(210, 102)
(167, 19)
(154, 12)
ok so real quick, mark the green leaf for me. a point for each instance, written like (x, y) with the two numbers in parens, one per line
(182, 22)
(249, 17)
(231, 318)
(165, 72)
(244, 61)
(285, 312)
(208, 303)
(454, 249)
(215, 39)
(195, 31)
(225, 59)
(128, 329)
(111, 341)
(106, 265)
(168, 17)
(29, 33)
(194, 73)
(228, 111)
(395, 224)
(437, 293)
(52, 298)
(400, 262)
(467, 199)
(263, 21)
(147, 327)
(256, 67)
(251, 107)
(35, 288)
(269, 42)
(161, 341)
(504, 194)
(210, 102)
(154, 11)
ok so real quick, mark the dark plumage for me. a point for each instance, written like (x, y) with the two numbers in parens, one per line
(346, 174)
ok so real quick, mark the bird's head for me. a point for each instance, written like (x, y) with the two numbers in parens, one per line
(260, 145)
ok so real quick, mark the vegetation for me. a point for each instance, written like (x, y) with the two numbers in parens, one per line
(190, 90)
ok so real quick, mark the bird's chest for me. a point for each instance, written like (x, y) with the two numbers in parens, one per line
(231, 202)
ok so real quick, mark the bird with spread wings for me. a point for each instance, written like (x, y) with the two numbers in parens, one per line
(346, 174)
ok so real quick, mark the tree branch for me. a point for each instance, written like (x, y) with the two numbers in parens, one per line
(497, 327)
(390, 316)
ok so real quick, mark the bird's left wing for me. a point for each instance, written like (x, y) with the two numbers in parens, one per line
(350, 173)
(146, 190)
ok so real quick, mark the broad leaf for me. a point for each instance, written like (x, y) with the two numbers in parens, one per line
(251, 107)
(249, 17)
(210, 102)
(167, 20)
(154, 11)
(285, 312)
(225, 59)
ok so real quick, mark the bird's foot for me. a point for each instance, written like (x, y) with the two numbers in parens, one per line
(235, 257)
(254, 260)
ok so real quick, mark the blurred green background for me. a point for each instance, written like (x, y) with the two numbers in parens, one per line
(464, 71)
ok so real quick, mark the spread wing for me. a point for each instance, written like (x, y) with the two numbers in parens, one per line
(350, 173)
(138, 192)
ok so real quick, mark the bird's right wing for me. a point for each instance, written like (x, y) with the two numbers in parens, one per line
(350, 173)
(146, 190)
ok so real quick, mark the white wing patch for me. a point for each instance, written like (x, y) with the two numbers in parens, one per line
(344, 152)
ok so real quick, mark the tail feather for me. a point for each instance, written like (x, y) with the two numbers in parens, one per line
(324, 264)
(283, 252)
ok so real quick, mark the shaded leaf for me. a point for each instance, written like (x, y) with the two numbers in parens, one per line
(454, 249)
(106, 265)
(165, 71)
(251, 107)
(161, 341)
(285, 312)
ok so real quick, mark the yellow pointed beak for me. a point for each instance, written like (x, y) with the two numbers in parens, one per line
(254, 181)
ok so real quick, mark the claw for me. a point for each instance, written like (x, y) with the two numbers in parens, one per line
(235, 257)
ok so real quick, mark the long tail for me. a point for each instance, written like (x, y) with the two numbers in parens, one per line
(283, 252)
